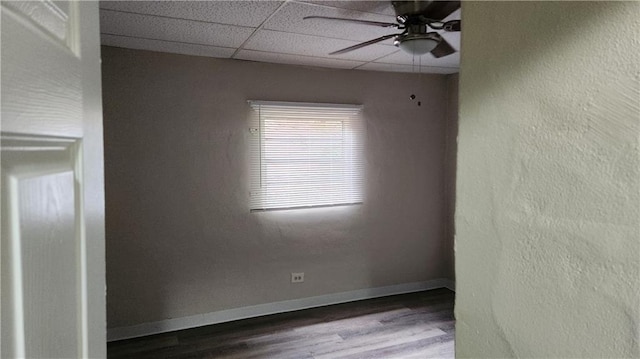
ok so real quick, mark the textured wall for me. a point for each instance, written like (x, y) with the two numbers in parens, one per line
(548, 188)
(180, 238)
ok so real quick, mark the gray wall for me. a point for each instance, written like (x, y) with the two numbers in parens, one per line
(180, 237)
(548, 187)
(450, 166)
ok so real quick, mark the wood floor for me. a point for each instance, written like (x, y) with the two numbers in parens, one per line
(416, 325)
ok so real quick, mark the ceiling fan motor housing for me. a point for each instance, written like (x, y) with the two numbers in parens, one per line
(410, 7)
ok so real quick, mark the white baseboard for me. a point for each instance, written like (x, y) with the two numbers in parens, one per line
(228, 315)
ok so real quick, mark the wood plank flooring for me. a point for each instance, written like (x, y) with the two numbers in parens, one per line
(415, 325)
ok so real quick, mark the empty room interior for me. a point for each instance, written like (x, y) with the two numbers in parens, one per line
(267, 197)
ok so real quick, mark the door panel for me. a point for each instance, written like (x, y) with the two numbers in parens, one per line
(41, 248)
(41, 73)
(52, 246)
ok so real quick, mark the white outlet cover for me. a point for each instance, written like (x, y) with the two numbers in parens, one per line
(297, 277)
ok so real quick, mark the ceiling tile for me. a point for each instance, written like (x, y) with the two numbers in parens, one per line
(296, 44)
(165, 46)
(290, 19)
(160, 28)
(296, 59)
(374, 66)
(375, 7)
(241, 13)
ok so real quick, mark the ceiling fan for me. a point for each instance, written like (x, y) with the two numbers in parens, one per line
(415, 18)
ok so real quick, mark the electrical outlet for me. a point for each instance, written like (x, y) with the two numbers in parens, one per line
(297, 277)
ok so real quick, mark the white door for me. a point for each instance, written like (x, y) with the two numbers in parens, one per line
(52, 199)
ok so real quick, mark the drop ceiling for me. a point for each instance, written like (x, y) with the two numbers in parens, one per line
(268, 31)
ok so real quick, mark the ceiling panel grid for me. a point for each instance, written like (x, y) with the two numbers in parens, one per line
(267, 31)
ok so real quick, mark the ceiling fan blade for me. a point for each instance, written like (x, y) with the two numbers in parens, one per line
(363, 22)
(361, 45)
(453, 25)
(438, 10)
(443, 49)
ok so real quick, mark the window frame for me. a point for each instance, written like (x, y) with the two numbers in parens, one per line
(350, 189)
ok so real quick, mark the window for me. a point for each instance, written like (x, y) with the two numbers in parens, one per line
(305, 155)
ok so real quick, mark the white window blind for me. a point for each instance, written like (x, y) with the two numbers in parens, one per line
(305, 155)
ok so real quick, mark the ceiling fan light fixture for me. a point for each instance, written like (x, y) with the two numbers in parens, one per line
(418, 44)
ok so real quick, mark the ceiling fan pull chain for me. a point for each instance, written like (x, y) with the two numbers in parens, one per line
(420, 74)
